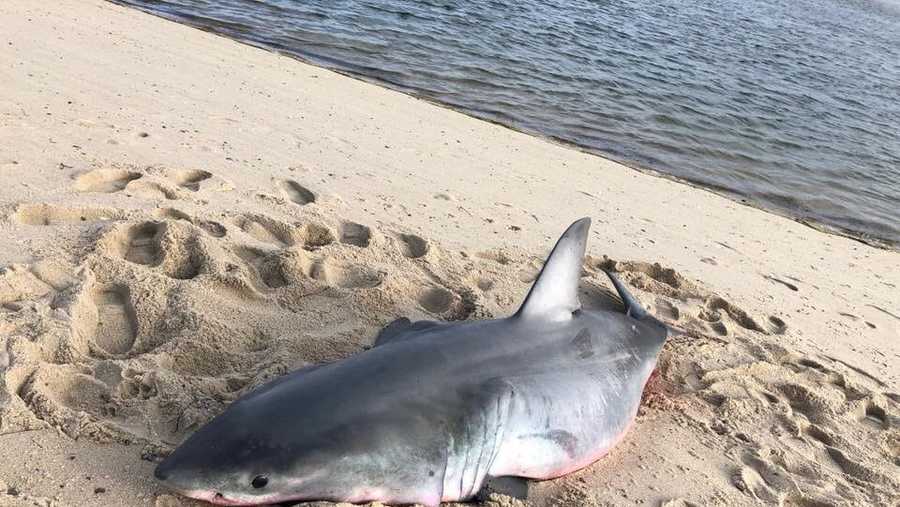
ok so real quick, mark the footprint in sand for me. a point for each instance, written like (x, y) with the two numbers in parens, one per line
(48, 214)
(776, 325)
(823, 439)
(266, 230)
(436, 300)
(484, 284)
(191, 178)
(105, 180)
(767, 482)
(141, 244)
(60, 392)
(875, 417)
(172, 213)
(667, 310)
(152, 190)
(116, 323)
(742, 318)
(355, 234)
(173, 247)
(714, 322)
(346, 275)
(297, 193)
(267, 267)
(660, 280)
(412, 246)
(214, 229)
(717, 313)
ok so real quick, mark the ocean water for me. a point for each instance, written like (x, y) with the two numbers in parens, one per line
(792, 105)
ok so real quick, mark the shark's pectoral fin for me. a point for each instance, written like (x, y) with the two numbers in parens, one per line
(401, 329)
(392, 330)
(554, 295)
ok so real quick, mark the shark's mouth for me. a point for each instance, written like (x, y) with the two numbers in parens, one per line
(200, 494)
(216, 498)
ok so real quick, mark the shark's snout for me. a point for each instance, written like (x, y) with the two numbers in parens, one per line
(172, 473)
(167, 471)
(169, 475)
(162, 472)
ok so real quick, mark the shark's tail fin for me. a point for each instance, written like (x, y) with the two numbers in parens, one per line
(632, 307)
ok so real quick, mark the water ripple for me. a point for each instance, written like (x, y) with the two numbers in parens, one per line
(791, 104)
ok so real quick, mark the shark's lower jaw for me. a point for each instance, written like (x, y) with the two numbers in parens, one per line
(217, 498)
(200, 494)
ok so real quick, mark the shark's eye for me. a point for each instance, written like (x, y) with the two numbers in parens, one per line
(259, 481)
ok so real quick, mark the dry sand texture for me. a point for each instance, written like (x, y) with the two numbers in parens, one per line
(184, 218)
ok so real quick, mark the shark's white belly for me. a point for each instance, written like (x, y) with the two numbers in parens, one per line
(557, 427)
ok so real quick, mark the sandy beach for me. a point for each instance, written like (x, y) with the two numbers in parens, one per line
(185, 217)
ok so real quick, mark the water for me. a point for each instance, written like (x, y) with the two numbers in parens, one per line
(793, 105)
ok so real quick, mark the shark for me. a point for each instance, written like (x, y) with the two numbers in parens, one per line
(434, 409)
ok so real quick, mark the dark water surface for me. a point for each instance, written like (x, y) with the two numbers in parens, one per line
(793, 104)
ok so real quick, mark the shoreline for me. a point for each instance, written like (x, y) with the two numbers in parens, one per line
(737, 197)
(187, 216)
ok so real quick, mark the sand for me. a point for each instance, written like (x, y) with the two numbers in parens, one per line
(184, 217)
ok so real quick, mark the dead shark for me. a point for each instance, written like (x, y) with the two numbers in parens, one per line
(434, 409)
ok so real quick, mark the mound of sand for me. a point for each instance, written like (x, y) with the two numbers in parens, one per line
(142, 324)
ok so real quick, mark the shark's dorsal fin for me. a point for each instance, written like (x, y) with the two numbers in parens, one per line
(554, 295)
